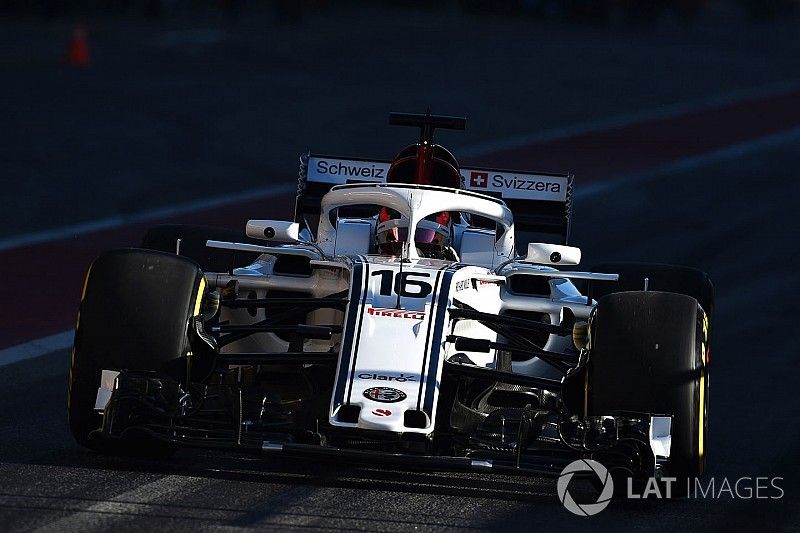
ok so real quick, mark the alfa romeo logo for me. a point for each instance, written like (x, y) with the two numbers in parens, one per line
(385, 394)
(585, 509)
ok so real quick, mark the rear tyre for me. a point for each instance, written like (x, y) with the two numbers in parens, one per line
(134, 315)
(647, 354)
(193, 245)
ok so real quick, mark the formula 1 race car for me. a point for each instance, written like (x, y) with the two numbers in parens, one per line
(393, 321)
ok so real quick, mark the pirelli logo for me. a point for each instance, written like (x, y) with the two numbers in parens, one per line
(396, 313)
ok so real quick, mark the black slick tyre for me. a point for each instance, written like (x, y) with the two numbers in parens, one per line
(648, 353)
(135, 312)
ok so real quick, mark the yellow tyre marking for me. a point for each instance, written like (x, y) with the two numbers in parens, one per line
(702, 413)
(199, 300)
(586, 393)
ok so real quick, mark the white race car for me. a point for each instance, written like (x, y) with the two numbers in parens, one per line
(393, 321)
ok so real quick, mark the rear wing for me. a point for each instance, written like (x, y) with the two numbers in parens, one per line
(541, 202)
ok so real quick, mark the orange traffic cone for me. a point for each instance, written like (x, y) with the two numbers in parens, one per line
(78, 49)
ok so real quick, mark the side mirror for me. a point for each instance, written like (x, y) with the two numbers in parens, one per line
(273, 230)
(552, 254)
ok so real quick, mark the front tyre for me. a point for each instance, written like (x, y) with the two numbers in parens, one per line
(648, 353)
(135, 313)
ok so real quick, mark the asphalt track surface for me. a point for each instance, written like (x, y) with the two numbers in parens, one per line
(728, 207)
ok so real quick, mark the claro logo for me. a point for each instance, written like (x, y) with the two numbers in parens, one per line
(402, 378)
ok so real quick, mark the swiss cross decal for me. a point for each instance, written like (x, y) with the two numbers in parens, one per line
(479, 179)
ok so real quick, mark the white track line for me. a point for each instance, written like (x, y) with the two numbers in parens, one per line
(474, 150)
(38, 237)
(668, 111)
(36, 348)
(60, 341)
(63, 340)
(690, 163)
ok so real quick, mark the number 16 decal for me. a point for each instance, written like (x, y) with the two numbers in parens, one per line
(404, 283)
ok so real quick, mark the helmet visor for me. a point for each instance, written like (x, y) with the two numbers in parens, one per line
(390, 240)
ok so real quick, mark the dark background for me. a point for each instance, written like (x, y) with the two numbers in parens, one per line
(190, 101)
(195, 101)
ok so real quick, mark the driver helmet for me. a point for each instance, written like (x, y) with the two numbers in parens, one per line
(432, 238)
